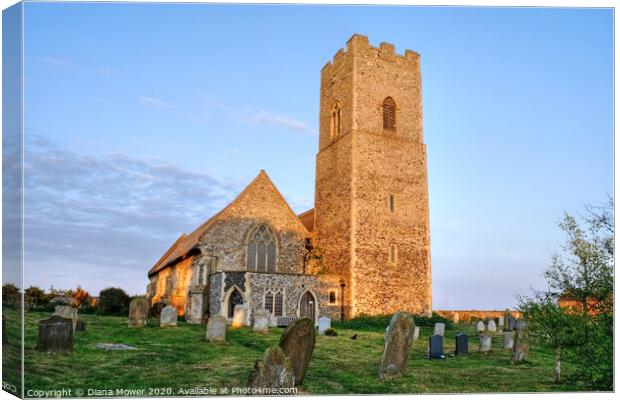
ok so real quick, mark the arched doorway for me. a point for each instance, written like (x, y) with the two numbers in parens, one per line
(234, 299)
(307, 306)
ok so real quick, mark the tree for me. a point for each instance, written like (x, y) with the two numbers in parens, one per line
(582, 275)
(10, 294)
(36, 297)
(113, 301)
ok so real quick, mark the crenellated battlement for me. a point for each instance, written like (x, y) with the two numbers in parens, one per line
(358, 45)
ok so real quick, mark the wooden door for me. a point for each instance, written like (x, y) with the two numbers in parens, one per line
(307, 306)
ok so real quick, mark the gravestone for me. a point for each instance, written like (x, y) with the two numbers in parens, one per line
(55, 334)
(80, 326)
(491, 327)
(500, 322)
(485, 343)
(298, 341)
(512, 323)
(440, 328)
(325, 323)
(507, 315)
(435, 347)
(239, 316)
(274, 371)
(480, 326)
(462, 344)
(416, 333)
(521, 344)
(216, 329)
(398, 338)
(67, 312)
(261, 321)
(508, 340)
(168, 317)
(138, 312)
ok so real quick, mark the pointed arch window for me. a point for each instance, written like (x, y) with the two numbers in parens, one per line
(261, 250)
(335, 122)
(274, 302)
(389, 114)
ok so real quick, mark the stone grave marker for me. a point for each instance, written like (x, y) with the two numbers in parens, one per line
(298, 341)
(440, 329)
(416, 333)
(500, 322)
(435, 347)
(480, 326)
(168, 317)
(274, 371)
(508, 340)
(462, 344)
(491, 326)
(325, 323)
(512, 323)
(67, 312)
(138, 312)
(261, 321)
(485, 343)
(398, 338)
(216, 329)
(239, 316)
(55, 335)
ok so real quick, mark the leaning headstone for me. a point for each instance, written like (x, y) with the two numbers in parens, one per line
(491, 327)
(168, 317)
(500, 322)
(485, 343)
(138, 312)
(416, 333)
(261, 321)
(435, 347)
(462, 344)
(298, 341)
(239, 316)
(398, 338)
(55, 334)
(274, 371)
(216, 329)
(480, 326)
(440, 328)
(508, 340)
(325, 323)
(67, 312)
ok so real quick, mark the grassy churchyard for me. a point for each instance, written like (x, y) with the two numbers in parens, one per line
(181, 358)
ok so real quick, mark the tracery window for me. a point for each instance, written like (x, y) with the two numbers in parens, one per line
(389, 114)
(261, 250)
(274, 302)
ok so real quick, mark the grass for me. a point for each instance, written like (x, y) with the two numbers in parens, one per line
(180, 357)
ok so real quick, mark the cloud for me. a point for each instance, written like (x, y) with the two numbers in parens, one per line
(151, 101)
(59, 62)
(263, 117)
(104, 220)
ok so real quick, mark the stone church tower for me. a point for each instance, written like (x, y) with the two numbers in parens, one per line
(371, 195)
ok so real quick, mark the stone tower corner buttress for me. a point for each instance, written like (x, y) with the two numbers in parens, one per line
(371, 195)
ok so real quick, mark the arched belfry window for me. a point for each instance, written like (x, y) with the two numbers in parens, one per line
(335, 122)
(261, 250)
(389, 114)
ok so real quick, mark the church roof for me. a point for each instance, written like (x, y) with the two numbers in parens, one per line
(186, 243)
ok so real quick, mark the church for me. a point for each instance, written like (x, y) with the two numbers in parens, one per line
(364, 249)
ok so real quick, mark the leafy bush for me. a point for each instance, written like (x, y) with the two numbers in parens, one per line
(10, 294)
(331, 332)
(374, 322)
(113, 301)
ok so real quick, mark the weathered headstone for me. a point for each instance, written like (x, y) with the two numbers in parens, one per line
(500, 322)
(216, 329)
(274, 371)
(55, 334)
(508, 340)
(491, 327)
(416, 333)
(480, 326)
(261, 321)
(298, 341)
(462, 344)
(239, 316)
(114, 346)
(168, 317)
(435, 347)
(507, 315)
(440, 328)
(67, 312)
(521, 346)
(398, 338)
(138, 312)
(324, 324)
(485, 343)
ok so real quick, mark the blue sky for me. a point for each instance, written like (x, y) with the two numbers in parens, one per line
(144, 119)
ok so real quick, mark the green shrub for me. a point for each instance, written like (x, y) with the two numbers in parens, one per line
(331, 332)
(368, 322)
(113, 301)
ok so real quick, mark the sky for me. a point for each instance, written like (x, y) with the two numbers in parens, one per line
(142, 120)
